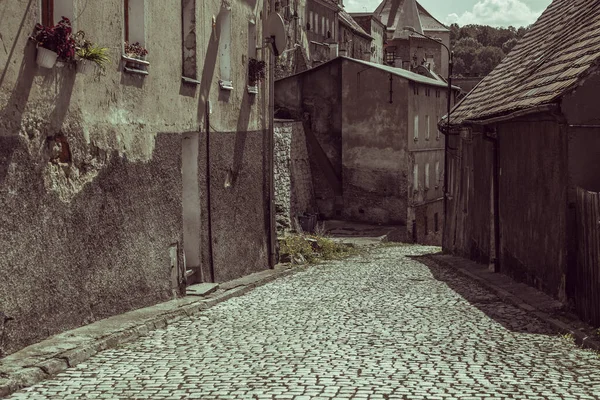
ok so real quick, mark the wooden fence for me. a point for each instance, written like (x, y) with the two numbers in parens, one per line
(587, 298)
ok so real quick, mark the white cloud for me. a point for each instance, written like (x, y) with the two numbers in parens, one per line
(361, 5)
(496, 13)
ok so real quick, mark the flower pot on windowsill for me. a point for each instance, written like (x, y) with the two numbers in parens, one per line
(135, 65)
(46, 58)
(86, 67)
(253, 87)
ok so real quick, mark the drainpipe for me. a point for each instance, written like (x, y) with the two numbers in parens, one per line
(446, 147)
(493, 138)
(208, 198)
(271, 110)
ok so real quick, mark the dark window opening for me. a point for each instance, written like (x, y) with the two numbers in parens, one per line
(414, 230)
(308, 26)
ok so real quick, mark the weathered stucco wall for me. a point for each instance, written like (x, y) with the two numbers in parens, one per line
(533, 202)
(374, 141)
(426, 105)
(354, 45)
(91, 236)
(315, 98)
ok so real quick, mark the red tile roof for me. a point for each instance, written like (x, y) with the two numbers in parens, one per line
(554, 55)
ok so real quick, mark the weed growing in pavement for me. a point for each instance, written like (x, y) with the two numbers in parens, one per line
(301, 248)
(568, 337)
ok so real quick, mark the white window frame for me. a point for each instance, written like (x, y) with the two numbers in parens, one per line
(437, 174)
(225, 81)
(427, 176)
(428, 127)
(416, 177)
(416, 128)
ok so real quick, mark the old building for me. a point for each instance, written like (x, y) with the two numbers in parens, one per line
(523, 180)
(376, 155)
(408, 50)
(377, 30)
(115, 185)
(318, 31)
(353, 41)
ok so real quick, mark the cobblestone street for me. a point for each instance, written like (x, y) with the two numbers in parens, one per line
(378, 326)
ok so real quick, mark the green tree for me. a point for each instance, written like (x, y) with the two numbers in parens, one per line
(466, 50)
(509, 45)
(487, 59)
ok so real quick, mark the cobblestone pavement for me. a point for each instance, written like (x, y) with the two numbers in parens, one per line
(381, 326)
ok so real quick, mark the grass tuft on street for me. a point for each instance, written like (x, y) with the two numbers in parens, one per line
(302, 248)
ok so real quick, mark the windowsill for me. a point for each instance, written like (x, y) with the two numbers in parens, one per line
(253, 89)
(226, 85)
(135, 71)
(135, 60)
(192, 81)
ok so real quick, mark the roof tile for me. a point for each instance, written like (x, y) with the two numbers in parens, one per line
(557, 51)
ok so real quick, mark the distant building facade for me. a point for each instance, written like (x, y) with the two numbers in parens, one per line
(319, 31)
(408, 50)
(376, 154)
(377, 30)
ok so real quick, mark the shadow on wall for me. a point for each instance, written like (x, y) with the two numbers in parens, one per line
(83, 260)
(14, 45)
(509, 316)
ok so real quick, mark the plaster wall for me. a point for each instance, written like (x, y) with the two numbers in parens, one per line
(377, 31)
(91, 168)
(375, 154)
(324, 21)
(426, 105)
(422, 48)
(353, 45)
(445, 36)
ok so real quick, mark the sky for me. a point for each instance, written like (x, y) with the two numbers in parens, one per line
(483, 12)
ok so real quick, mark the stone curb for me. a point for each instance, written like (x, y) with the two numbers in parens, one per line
(581, 338)
(42, 360)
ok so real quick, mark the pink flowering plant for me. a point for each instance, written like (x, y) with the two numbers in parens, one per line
(135, 50)
(57, 38)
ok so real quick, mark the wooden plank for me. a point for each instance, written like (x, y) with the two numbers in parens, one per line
(596, 251)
